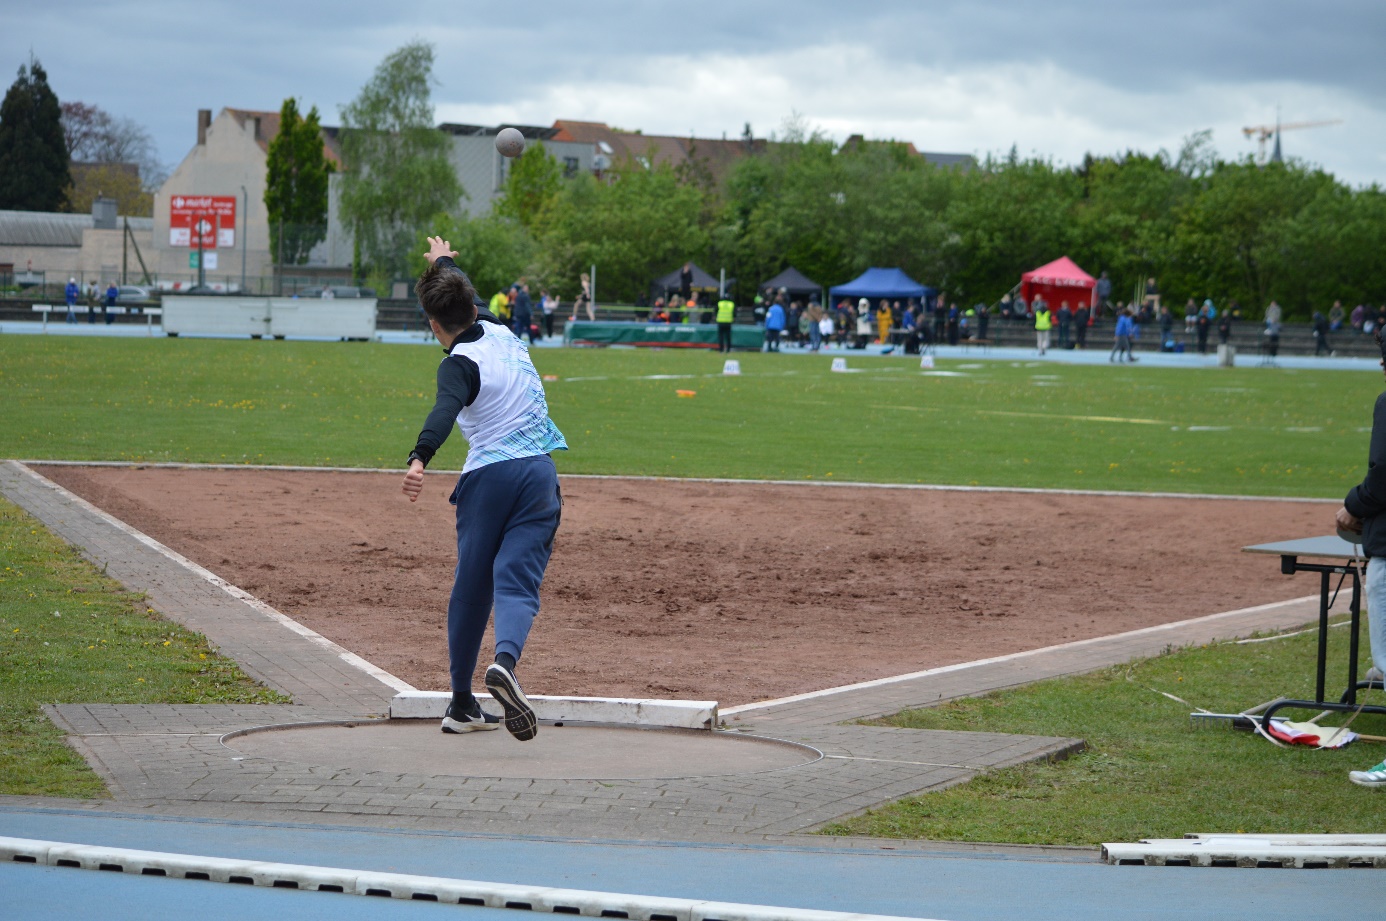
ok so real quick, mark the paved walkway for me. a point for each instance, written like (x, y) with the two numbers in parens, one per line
(170, 760)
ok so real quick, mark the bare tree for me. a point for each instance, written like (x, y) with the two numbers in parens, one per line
(93, 135)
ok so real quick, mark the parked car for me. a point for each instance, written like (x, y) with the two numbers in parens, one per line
(127, 295)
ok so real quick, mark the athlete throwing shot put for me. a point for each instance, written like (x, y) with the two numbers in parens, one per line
(508, 501)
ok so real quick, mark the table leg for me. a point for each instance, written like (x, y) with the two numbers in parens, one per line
(1323, 635)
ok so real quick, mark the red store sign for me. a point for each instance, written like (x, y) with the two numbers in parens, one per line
(207, 221)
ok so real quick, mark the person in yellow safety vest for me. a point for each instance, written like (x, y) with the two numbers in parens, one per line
(500, 306)
(726, 312)
(1043, 323)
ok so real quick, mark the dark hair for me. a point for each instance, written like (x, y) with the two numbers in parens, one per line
(1380, 342)
(447, 296)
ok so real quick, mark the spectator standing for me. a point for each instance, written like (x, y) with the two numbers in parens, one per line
(1065, 317)
(1166, 330)
(524, 313)
(726, 314)
(1202, 324)
(327, 293)
(1272, 334)
(1121, 351)
(92, 298)
(1081, 318)
(1004, 308)
(108, 308)
(1320, 327)
(548, 304)
(1019, 310)
(863, 323)
(983, 319)
(1043, 323)
(685, 282)
(70, 295)
(774, 325)
(954, 324)
(1225, 326)
(1273, 313)
(642, 307)
(500, 306)
(1103, 290)
(814, 313)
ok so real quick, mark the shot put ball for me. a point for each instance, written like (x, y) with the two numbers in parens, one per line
(510, 142)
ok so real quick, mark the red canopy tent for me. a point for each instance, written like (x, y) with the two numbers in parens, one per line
(1059, 281)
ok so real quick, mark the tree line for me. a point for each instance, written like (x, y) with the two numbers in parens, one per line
(1202, 227)
(60, 156)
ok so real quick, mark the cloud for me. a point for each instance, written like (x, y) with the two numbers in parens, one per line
(1058, 79)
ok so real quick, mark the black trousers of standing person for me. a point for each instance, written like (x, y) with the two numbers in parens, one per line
(1202, 340)
(724, 337)
(1081, 328)
(548, 326)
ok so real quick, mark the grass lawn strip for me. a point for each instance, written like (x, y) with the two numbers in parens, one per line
(1147, 772)
(1244, 431)
(69, 634)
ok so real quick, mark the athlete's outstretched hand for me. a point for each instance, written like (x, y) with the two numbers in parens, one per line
(437, 248)
(413, 480)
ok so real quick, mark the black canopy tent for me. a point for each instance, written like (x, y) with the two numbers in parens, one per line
(702, 281)
(793, 281)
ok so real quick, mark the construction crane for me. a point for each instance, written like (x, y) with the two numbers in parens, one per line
(1264, 133)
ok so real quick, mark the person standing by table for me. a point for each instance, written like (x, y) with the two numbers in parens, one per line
(1364, 512)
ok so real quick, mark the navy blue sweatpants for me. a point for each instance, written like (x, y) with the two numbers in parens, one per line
(507, 515)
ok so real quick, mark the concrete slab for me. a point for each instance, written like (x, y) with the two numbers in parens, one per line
(559, 752)
(632, 711)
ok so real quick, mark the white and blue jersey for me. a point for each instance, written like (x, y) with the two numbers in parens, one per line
(489, 387)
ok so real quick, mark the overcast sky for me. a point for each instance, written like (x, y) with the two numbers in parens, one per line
(971, 77)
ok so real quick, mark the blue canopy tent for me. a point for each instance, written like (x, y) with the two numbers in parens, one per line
(879, 283)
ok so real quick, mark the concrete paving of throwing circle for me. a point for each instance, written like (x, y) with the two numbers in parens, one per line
(572, 751)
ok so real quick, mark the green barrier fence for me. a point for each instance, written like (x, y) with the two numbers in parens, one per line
(659, 335)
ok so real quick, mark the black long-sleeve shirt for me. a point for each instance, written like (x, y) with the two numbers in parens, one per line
(459, 381)
(1367, 500)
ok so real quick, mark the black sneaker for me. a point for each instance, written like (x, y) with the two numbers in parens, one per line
(519, 715)
(473, 719)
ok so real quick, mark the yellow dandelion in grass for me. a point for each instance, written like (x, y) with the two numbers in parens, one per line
(167, 643)
(140, 680)
(202, 655)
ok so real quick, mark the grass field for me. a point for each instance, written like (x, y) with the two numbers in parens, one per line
(68, 634)
(1146, 773)
(1242, 431)
(1247, 431)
